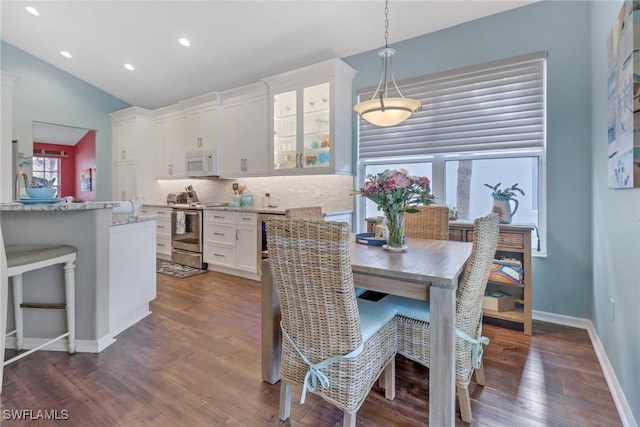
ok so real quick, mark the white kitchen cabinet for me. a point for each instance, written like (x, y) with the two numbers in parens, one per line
(202, 122)
(132, 146)
(125, 180)
(244, 141)
(130, 132)
(123, 140)
(169, 143)
(339, 217)
(231, 242)
(310, 123)
(163, 229)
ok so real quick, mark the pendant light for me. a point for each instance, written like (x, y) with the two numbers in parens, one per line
(382, 110)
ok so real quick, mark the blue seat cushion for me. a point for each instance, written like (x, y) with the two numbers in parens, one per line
(373, 317)
(408, 307)
(360, 291)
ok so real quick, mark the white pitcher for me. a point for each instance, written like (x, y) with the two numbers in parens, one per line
(502, 207)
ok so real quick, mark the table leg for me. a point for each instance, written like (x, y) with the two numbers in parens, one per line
(271, 336)
(442, 373)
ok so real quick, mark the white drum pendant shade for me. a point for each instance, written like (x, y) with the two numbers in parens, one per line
(387, 111)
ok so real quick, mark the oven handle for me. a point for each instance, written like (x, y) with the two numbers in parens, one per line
(190, 212)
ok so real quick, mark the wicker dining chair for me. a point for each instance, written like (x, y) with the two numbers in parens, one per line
(334, 345)
(309, 212)
(312, 212)
(432, 222)
(413, 315)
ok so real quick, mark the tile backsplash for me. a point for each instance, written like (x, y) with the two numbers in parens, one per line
(332, 192)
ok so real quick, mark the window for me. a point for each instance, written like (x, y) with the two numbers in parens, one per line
(47, 168)
(481, 124)
(414, 168)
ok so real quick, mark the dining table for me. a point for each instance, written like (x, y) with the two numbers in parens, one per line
(426, 270)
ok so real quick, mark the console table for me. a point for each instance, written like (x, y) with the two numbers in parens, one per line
(514, 241)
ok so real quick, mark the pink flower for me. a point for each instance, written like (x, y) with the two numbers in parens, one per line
(389, 184)
(401, 180)
(396, 190)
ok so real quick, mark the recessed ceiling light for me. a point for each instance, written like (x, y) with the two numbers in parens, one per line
(32, 10)
(184, 42)
(65, 54)
(129, 67)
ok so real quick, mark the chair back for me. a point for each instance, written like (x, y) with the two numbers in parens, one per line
(476, 274)
(432, 222)
(311, 271)
(310, 212)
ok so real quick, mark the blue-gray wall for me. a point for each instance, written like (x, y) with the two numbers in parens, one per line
(615, 230)
(47, 94)
(562, 280)
(580, 273)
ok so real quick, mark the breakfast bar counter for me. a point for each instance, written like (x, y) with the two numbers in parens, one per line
(87, 226)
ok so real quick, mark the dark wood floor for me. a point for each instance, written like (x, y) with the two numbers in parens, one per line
(196, 362)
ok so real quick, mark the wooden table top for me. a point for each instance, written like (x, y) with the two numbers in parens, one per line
(438, 261)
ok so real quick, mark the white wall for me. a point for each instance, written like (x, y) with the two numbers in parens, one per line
(332, 192)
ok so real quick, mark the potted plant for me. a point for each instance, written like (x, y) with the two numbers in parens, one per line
(453, 213)
(502, 201)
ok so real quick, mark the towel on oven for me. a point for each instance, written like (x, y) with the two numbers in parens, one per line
(180, 223)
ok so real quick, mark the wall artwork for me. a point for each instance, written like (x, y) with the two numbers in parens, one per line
(86, 181)
(623, 52)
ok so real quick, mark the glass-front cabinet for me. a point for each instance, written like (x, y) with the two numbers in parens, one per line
(311, 126)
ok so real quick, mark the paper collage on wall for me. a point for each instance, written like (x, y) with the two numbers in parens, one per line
(86, 184)
(623, 52)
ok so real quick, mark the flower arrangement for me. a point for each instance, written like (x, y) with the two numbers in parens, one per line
(397, 193)
(508, 192)
(396, 190)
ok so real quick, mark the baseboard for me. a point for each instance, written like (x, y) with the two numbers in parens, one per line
(617, 393)
(234, 272)
(132, 317)
(560, 319)
(82, 346)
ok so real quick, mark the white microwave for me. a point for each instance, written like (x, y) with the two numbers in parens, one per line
(201, 163)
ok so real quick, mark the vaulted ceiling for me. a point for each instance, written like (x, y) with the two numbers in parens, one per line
(233, 42)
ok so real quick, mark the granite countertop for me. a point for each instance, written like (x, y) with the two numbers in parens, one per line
(122, 219)
(57, 207)
(254, 209)
(153, 205)
(272, 211)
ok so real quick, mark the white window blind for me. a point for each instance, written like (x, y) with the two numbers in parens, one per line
(493, 106)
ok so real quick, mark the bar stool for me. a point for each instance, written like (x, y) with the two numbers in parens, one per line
(24, 258)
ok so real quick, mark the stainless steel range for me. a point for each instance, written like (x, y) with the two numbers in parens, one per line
(186, 235)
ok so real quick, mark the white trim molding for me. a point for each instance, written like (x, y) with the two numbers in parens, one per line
(617, 393)
(82, 346)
